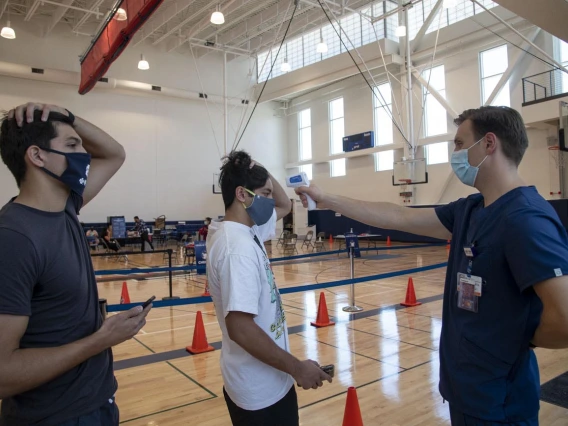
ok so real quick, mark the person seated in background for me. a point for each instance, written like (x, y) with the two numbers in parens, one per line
(204, 229)
(92, 237)
(112, 244)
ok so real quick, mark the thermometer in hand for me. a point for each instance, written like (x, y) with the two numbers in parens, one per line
(295, 181)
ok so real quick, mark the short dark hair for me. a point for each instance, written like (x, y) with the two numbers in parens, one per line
(136, 217)
(505, 122)
(236, 171)
(15, 140)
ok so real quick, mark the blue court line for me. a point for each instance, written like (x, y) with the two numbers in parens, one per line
(297, 289)
(144, 270)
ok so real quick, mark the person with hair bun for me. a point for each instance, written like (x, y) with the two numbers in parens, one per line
(257, 367)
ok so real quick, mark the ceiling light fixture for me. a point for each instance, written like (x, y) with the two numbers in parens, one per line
(120, 15)
(321, 47)
(217, 17)
(285, 67)
(143, 64)
(8, 32)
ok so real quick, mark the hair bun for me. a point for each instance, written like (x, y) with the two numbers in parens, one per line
(239, 159)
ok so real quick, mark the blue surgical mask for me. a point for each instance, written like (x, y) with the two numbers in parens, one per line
(463, 170)
(261, 208)
(77, 171)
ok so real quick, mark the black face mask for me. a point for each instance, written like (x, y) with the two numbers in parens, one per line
(77, 171)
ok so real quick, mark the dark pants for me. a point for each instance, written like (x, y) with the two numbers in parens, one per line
(144, 237)
(107, 415)
(283, 413)
(460, 419)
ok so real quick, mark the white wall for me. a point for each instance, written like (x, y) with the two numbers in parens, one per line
(170, 146)
(463, 91)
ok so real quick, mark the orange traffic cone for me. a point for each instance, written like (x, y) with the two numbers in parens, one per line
(330, 240)
(410, 295)
(388, 241)
(322, 319)
(449, 243)
(206, 292)
(352, 415)
(199, 344)
(124, 296)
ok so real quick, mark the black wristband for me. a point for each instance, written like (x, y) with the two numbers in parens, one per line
(71, 116)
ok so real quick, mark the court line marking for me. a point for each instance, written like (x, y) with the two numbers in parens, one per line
(181, 353)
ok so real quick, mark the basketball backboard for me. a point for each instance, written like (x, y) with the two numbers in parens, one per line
(409, 172)
(216, 187)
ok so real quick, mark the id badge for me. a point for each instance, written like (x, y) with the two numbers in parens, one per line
(469, 292)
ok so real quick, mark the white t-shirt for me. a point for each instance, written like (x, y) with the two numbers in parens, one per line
(241, 279)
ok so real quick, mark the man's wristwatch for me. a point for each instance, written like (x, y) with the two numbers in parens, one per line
(71, 116)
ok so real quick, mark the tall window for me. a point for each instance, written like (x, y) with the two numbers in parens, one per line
(382, 106)
(493, 64)
(307, 168)
(561, 53)
(305, 140)
(436, 153)
(435, 119)
(336, 133)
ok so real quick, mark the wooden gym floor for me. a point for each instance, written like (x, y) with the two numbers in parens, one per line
(388, 352)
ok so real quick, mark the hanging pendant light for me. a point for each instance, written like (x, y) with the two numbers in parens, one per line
(285, 67)
(217, 17)
(143, 64)
(321, 47)
(8, 32)
(120, 15)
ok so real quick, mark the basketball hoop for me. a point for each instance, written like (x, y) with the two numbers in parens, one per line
(404, 193)
(557, 156)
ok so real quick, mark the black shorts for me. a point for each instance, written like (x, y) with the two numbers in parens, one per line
(107, 415)
(282, 413)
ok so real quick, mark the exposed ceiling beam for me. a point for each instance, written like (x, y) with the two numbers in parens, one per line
(236, 21)
(4, 6)
(166, 14)
(57, 15)
(203, 23)
(273, 12)
(313, 20)
(32, 10)
(422, 31)
(181, 24)
(86, 16)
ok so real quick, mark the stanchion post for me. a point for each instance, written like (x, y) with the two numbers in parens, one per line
(352, 307)
(170, 273)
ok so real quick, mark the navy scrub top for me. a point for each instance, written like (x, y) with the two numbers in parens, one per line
(487, 369)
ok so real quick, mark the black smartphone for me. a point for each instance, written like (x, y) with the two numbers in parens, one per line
(329, 369)
(147, 302)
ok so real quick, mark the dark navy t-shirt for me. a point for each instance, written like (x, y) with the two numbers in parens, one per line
(486, 367)
(46, 274)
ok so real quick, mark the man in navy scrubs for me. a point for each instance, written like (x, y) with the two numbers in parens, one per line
(506, 287)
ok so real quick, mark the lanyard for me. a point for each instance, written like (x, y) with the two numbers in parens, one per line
(257, 241)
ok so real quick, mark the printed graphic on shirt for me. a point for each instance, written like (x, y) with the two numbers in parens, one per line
(279, 324)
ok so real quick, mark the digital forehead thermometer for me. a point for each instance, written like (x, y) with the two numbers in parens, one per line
(295, 181)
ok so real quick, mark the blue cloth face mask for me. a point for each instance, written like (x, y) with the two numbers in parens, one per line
(463, 170)
(77, 171)
(261, 208)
